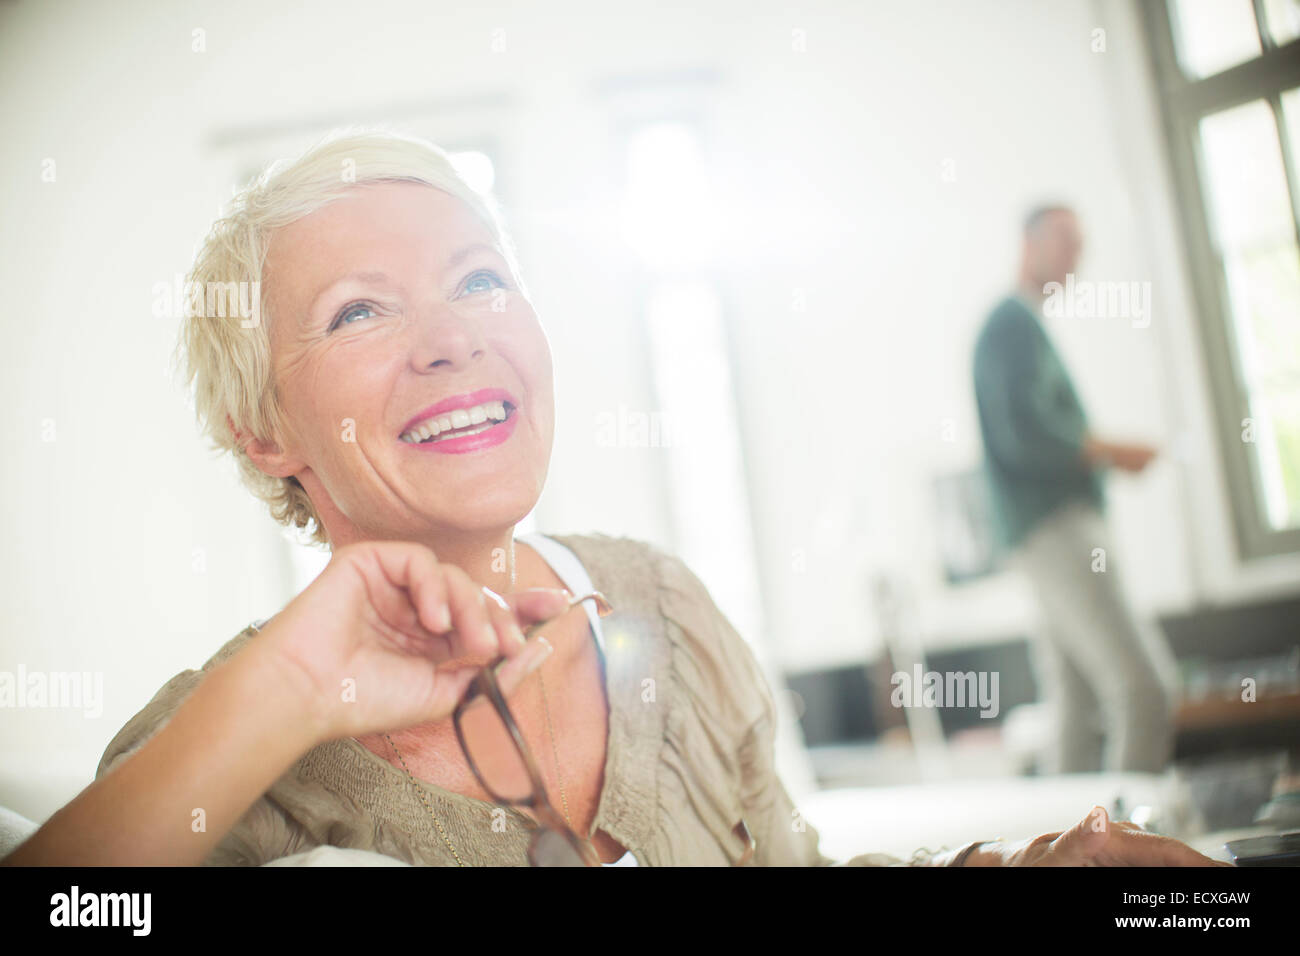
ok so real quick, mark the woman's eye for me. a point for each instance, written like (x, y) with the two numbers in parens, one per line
(351, 313)
(483, 281)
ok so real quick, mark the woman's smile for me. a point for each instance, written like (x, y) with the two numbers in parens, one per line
(464, 423)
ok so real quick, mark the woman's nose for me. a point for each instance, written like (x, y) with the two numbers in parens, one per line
(444, 336)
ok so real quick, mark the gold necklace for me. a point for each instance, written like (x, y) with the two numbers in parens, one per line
(546, 705)
(419, 791)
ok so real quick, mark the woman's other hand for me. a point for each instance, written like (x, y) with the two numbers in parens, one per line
(386, 637)
(1093, 841)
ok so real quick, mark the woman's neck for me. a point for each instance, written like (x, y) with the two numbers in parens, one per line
(488, 558)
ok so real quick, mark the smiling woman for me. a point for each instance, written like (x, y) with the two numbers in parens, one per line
(339, 240)
(407, 324)
(397, 400)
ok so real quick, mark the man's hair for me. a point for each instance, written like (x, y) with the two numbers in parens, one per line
(1039, 213)
(228, 361)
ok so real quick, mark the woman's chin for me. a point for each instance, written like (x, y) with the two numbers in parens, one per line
(487, 510)
(484, 521)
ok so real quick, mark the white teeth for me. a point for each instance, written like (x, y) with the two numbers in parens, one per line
(487, 415)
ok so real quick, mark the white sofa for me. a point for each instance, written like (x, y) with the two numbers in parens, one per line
(900, 819)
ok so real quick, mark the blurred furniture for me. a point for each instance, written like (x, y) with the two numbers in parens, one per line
(900, 820)
(848, 721)
(1216, 648)
(14, 829)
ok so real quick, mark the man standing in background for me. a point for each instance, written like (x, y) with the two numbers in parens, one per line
(1044, 466)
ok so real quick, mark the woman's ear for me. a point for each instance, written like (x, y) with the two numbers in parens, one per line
(265, 453)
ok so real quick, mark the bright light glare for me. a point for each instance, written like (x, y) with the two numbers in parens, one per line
(670, 214)
(705, 463)
(476, 169)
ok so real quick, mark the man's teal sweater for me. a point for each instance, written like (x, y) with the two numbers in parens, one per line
(1032, 420)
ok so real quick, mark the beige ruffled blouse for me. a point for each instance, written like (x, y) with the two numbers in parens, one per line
(690, 750)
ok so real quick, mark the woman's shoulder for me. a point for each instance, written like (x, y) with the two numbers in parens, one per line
(621, 560)
(168, 699)
(711, 658)
(640, 572)
(608, 552)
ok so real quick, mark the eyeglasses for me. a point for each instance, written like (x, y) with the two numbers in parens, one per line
(501, 760)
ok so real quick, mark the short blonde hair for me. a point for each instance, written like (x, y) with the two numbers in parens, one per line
(226, 359)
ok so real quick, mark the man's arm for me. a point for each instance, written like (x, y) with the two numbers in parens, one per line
(1023, 435)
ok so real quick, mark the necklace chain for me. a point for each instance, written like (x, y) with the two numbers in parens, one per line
(550, 729)
(555, 753)
(420, 793)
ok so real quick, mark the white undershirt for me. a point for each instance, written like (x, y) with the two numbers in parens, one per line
(575, 577)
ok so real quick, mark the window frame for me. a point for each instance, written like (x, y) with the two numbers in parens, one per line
(1183, 103)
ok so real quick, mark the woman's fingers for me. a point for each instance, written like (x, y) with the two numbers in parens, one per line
(531, 605)
(509, 634)
(478, 622)
(473, 633)
(449, 687)
(475, 622)
(512, 673)
(427, 587)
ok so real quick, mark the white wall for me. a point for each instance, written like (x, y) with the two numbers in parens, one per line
(898, 266)
(130, 551)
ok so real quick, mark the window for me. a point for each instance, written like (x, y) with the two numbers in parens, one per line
(1229, 78)
(672, 228)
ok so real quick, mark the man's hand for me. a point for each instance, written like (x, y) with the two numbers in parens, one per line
(1132, 458)
(1093, 841)
(1122, 455)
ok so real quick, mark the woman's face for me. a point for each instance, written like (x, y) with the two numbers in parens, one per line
(391, 310)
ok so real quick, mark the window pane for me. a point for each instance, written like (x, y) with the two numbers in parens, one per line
(1291, 118)
(1277, 437)
(1249, 202)
(1282, 17)
(670, 218)
(710, 497)
(1212, 35)
(1254, 230)
(1265, 288)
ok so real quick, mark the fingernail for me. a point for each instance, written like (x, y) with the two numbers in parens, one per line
(518, 635)
(540, 655)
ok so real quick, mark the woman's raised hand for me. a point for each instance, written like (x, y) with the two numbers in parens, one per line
(386, 637)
